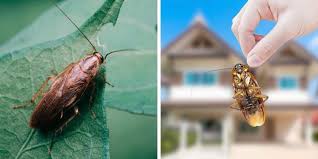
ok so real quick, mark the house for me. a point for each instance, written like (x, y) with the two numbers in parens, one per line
(196, 99)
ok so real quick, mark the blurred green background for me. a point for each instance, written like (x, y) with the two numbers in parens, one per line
(131, 136)
(16, 14)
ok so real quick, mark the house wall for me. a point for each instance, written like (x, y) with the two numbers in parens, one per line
(267, 75)
(312, 70)
(181, 65)
(274, 72)
(184, 64)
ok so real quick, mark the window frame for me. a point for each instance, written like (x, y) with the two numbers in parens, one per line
(201, 78)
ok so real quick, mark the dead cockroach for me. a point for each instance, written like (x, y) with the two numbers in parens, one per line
(248, 95)
(58, 104)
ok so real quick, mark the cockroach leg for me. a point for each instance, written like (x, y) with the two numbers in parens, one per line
(36, 95)
(40, 91)
(104, 78)
(235, 105)
(90, 104)
(23, 105)
(109, 83)
(237, 95)
(61, 115)
(75, 113)
(263, 97)
(59, 129)
(255, 87)
(247, 81)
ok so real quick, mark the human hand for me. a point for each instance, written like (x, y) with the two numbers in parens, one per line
(294, 18)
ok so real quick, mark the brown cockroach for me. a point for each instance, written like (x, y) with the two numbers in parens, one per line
(57, 107)
(247, 94)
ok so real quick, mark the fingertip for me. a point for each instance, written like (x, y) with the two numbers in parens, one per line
(254, 60)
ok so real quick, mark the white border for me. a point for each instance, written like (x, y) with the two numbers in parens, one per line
(158, 79)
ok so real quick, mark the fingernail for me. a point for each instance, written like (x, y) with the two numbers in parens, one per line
(254, 61)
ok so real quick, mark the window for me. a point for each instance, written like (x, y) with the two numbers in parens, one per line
(288, 82)
(191, 78)
(208, 78)
(200, 78)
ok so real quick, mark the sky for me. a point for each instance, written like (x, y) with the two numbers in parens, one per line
(177, 15)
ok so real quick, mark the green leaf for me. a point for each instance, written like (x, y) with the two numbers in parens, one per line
(134, 74)
(135, 87)
(135, 28)
(53, 24)
(138, 132)
(22, 73)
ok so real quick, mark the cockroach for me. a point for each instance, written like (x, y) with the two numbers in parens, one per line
(247, 94)
(57, 107)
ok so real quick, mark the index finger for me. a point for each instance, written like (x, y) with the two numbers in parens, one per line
(248, 23)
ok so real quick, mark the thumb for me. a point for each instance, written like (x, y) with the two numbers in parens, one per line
(268, 45)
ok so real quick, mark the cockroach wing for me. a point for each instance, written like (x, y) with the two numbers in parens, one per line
(63, 94)
(48, 108)
(255, 118)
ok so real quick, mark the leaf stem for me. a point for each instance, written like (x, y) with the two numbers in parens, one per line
(26, 142)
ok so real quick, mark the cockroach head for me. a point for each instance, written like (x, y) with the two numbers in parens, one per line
(99, 56)
(240, 68)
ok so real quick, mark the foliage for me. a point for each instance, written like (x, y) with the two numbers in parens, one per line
(29, 58)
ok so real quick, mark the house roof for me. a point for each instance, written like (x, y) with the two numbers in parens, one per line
(295, 53)
(292, 53)
(199, 28)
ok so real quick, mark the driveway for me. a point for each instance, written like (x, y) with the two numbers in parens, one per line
(273, 151)
(248, 151)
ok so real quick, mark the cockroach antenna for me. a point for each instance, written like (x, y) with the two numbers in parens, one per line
(95, 51)
(220, 69)
(74, 25)
(121, 50)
